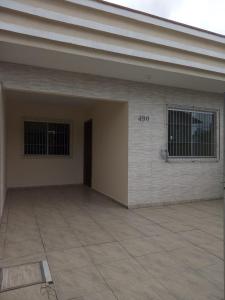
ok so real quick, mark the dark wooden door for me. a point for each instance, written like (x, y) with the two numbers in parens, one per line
(88, 152)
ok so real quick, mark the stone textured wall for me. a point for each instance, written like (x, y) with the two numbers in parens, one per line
(151, 180)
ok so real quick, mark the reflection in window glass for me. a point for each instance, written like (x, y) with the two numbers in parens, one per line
(191, 133)
(41, 138)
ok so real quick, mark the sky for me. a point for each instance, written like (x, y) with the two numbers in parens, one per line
(205, 14)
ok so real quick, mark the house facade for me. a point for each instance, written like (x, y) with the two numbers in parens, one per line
(127, 103)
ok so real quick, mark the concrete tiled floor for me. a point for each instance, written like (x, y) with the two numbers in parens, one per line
(97, 249)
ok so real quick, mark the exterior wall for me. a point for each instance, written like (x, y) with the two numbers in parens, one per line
(37, 171)
(81, 36)
(151, 179)
(2, 152)
(110, 150)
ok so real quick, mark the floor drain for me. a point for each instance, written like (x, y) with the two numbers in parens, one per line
(14, 277)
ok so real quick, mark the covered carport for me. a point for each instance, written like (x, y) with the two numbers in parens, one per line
(40, 152)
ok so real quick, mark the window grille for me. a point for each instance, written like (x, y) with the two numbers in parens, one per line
(191, 133)
(42, 138)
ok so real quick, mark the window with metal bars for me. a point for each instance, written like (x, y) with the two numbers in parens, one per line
(43, 138)
(191, 133)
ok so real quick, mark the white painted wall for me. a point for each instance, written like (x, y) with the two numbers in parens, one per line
(2, 152)
(110, 150)
(37, 171)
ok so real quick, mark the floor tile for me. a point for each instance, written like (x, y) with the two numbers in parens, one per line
(141, 246)
(107, 252)
(35, 292)
(137, 291)
(129, 280)
(177, 226)
(15, 234)
(148, 228)
(195, 257)
(126, 271)
(214, 273)
(104, 295)
(155, 215)
(170, 241)
(93, 235)
(199, 237)
(24, 248)
(122, 231)
(162, 264)
(216, 249)
(61, 238)
(66, 259)
(97, 249)
(72, 283)
(189, 285)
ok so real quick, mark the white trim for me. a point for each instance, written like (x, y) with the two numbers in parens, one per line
(149, 19)
(106, 47)
(104, 28)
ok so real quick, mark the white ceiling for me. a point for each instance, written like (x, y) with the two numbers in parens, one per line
(33, 97)
(75, 63)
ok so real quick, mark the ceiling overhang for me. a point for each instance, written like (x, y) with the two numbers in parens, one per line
(77, 37)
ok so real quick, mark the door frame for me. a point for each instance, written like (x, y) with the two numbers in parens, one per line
(87, 162)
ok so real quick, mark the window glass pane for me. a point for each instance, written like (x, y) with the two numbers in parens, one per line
(179, 138)
(191, 133)
(203, 134)
(58, 139)
(41, 138)
(35, 138)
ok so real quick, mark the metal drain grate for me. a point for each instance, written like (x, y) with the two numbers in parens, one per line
(15, 277)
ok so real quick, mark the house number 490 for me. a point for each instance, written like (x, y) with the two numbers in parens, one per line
(143, 118)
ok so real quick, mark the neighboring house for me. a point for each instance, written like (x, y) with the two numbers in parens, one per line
(128, 103)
